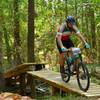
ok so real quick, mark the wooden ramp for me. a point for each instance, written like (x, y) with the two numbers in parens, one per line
(22, 68)
(54, 79)
(17, 75)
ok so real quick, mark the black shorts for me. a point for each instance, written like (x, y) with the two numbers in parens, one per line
(67, 44)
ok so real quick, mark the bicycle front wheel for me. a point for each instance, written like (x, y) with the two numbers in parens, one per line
(83, 78)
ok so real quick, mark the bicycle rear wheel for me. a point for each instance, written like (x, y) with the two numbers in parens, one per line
(83, 78)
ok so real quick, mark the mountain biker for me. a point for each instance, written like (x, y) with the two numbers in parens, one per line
(63, 40)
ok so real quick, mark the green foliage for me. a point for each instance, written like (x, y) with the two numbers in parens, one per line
(66, 97)
(49, 15)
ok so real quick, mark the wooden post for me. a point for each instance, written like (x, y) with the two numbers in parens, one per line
(55, 90)
(22, 84)
(2, 82)
(31, 82)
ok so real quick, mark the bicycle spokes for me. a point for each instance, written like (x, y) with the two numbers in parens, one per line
(83, 77)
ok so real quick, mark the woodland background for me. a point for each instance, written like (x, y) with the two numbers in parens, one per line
(28, 29)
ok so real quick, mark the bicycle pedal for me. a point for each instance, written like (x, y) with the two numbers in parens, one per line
(74, 73)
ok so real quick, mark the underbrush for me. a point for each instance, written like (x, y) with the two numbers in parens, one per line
(65, 97)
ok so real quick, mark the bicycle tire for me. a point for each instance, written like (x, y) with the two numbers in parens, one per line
(67, 73)
(86, 73)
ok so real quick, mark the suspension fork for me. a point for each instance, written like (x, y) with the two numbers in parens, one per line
(76, 62)
(80, 57)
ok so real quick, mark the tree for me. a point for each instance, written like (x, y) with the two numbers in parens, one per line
(98, 45)
(17, 40)
(93, 31)
(1, 53)
(30, 38)
(66, 7)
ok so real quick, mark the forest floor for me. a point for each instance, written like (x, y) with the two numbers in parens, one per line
(45, 94)
(66, 96)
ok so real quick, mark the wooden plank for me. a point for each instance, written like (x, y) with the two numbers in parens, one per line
(15, 72)
(54, 79)
(30, 64)
(22, 68)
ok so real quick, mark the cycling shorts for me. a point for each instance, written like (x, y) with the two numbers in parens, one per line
(68, 44)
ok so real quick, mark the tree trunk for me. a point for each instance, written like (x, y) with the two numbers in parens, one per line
(17, 41)
(82, 24)
(8, 48)
(86, 20)
(1, 53)
(93, 27)
(2, 81)
(98, 45)
(76, 9)
(66, 8)
(31, 17)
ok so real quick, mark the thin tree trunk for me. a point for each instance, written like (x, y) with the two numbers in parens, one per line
(1, 53)
(66, 8)
(98, 45)
(31, 17)
(93, 27)
(86, 20)
(5, 36)
(8, 48)
(82, 18)
(76, 9)
(2, 81)
(17, 41)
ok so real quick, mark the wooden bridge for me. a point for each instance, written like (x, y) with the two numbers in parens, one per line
(18, 73)
(49, 77)
(23, 68)
(54, 80)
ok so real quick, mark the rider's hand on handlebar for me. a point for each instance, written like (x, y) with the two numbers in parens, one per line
(87, 46)
(64, 49)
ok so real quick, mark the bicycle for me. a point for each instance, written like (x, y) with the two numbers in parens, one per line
(73, 60)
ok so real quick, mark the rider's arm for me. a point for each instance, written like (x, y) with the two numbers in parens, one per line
(77, 33)
(82, 38)
(59, 35)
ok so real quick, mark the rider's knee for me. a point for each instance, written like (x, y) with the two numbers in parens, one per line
(62, 55)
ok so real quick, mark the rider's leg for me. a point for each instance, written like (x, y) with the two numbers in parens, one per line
(62, 62)
(75, 65)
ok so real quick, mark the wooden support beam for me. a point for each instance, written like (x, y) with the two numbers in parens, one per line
(54, 90)
(20, 72)
(22, 84)
(31, 81)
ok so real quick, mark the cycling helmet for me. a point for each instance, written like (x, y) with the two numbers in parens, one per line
(71, 19)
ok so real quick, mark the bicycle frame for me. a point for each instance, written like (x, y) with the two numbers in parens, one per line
(76, 64)
(76, 56)
(73, 59)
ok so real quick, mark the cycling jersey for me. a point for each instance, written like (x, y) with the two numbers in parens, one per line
(66, 32)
